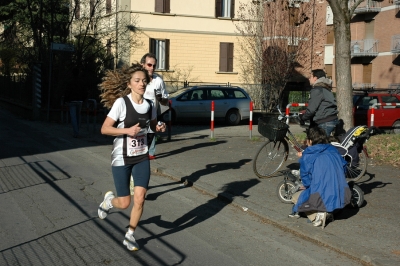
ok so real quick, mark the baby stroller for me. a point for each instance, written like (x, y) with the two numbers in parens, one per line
(351, 147)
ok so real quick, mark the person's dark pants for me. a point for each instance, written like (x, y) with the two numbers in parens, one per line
(329, 126)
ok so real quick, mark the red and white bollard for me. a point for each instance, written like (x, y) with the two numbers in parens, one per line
(212, 119)
(251, 120)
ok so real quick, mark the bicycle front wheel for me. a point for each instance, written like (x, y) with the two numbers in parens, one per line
(270, 157)
(356, 171)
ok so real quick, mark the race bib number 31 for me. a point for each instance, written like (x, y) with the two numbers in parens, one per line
(136, 145)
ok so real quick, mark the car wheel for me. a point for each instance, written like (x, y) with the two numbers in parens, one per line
(233, 117)
(396, 127)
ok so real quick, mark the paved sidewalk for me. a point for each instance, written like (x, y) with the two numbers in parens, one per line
(370, 233)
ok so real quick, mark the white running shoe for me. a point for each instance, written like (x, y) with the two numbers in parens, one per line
(320, 219)
(105, 206)
(130, 242)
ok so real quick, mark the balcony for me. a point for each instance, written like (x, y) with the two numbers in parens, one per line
(364, 48)
(368, 6)
(395, 47)
(396, 2)
(364, 86)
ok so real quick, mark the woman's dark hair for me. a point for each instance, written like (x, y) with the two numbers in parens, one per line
(319, 73)
(317, 135)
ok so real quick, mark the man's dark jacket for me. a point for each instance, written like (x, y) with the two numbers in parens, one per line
(322, 105)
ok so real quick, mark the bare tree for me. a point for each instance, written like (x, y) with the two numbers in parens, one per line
(276, 39)
(176, 79)
(342, 13)
(104, 35)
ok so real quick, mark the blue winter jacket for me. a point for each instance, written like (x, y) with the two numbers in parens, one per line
(322, 173)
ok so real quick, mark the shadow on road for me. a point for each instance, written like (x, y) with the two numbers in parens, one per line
(202, 212)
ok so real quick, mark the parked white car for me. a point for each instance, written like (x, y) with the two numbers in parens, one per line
(230, 103)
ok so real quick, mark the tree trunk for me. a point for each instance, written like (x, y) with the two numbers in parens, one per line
(344, 91)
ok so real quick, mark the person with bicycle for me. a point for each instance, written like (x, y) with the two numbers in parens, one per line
(323, 176)
(322, 107)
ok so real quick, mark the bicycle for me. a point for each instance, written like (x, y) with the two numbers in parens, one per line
(275, 151)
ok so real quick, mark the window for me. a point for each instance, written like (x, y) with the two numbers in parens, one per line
(240, 95)
(77, 9)
(162, 6)
(161, 49)
(217, 94)
(108, 6)
(225, 8)
(226, 57)
(390, 99)
(366, 102)
(294, 16)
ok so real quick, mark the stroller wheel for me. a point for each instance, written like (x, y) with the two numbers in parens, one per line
(285, 191)
(357, 170)
(357, 195)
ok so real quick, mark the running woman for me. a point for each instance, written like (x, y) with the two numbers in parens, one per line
(129, 120)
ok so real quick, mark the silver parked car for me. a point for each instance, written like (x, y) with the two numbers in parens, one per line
(230, 103)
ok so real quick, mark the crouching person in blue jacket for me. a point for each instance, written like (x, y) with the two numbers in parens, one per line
(322, 171)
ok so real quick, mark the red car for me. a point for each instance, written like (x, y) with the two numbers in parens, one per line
(385, 117)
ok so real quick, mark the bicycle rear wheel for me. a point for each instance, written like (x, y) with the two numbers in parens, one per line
(356, 171)
(270, 157)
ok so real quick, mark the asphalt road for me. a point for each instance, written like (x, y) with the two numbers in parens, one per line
(50, 188)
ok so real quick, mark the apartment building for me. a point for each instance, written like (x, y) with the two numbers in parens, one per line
(375, 45)
(190, 35)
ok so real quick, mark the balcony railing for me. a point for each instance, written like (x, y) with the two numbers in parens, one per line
(362, 48)
(394, 87)
(368, 6)
(363, 86)
(395, 47)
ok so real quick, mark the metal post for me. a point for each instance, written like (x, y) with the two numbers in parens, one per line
(49, 89)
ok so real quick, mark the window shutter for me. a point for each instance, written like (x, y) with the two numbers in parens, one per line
(159, 6)
(218, 8)
(152, 44)
(166, 54)
(330, 37)
(77, 9)
(230, 57)
(232, 8)
(167, 8)
(92, 4)
(108, 6)
(223, 57)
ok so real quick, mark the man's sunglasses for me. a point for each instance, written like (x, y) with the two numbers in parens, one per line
(151, 65)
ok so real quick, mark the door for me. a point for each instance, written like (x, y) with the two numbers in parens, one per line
(389, 114)
(191, 104)
(362, 110)
(221, 103)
